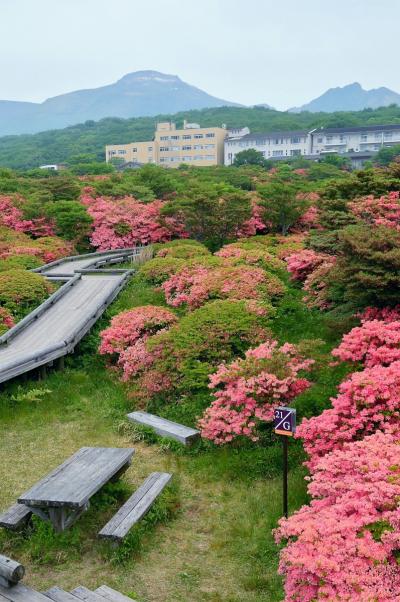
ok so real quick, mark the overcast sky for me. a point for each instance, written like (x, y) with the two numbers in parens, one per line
(283, 53)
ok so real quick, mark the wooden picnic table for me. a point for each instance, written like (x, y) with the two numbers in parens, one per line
(64, 494)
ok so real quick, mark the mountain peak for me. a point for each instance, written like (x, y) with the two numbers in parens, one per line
(351, 97)
(149, 75)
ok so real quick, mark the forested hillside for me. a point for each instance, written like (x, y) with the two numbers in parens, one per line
(90, 138)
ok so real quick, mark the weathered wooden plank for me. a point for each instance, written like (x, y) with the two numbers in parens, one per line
(59, 595)
(22, 593)
(82, 593)
(74, 482)
(135, 507)
(165, 428)
(16, 516)
(111, 595)
(11, 570)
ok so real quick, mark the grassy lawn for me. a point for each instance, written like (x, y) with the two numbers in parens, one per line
(216, 547)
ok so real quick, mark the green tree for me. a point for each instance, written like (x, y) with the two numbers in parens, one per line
(281, 204)
(71, 218)
(387, 155)
(212, 213)
(251, 156)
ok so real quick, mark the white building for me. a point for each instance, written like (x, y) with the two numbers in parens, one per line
(354, 139)
(320, 141)
(271, 145)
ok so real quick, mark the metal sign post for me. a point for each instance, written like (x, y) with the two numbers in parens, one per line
(285, 426)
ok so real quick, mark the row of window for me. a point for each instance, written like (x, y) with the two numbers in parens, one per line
(187, 147)
(187, 136)
(186, 159)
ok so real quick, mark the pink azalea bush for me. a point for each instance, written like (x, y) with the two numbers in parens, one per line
(383, 211)
(367, 401)
(375, 342)
(255, 224)
(248, 390)
(129, 326)
(6, 320)
(302, 263)
(11, 216)
(344, 545)
(126, 222)
(195, 285)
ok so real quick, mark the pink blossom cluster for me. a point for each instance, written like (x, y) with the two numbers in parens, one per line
(6, 319)
(344, 544)
(126, 222)
(195, 285)
(12, 217)
(383, 211)
(128, 333)
(375, 342)
(249, 389)
(367, 401)
(301, 263)
(255, 224)
(316, 285)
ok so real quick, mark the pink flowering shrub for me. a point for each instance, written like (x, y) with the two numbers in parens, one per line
(129, 326)
(375, 342)
(304, 262)
(385, 314)
(367, 401)
(126, 222)
(11, 216)
(382, 211)
(195, 285)
(255, 224)
(344, 545)
(249, 389)
(6, 320)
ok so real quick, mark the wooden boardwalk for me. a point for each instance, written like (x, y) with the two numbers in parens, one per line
(55, 328)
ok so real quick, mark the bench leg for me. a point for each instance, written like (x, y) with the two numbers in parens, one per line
(121, 471)
(60, 517)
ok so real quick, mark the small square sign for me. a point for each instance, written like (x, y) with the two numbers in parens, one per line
(285, 421)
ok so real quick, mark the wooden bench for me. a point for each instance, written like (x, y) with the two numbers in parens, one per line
(165, 428)
(10, 571)
(15, 517)
(21, 593)
(138, 504)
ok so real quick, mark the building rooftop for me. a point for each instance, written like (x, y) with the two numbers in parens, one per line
(357, 128)
(279, 134)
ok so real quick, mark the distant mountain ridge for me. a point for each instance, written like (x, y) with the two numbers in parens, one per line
(350, 98)
(138, 94)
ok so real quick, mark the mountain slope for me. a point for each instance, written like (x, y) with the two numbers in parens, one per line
(350, 98)
(138, 94)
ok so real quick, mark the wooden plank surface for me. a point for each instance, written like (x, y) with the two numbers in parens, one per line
(74, 482)
(136, 506)
(15, 516)
(165, 428)
(59, 595)
(82, 593)
(22, 593)
(111, 595)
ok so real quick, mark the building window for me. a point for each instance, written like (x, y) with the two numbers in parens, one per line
(210, 135)
(163, 159)
(296, 151)
(187, 147)
(174, 137)
(187, 136)
(388, 135)
(198, 147)
(164, 149)
(175, 148)
(320, 140)
(209, 157)
(198, 157)
(209, 146)
(277, 153)
(134, 150)
(378, 136)
(342, 138)
(198, 136)
(150, 148)
(364, 137)
(122, 152)
(275, 141)
(328, 139)
(295, 140)
(187, 158)
(164, 137)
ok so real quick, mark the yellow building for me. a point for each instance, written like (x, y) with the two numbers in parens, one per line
(171, 147)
